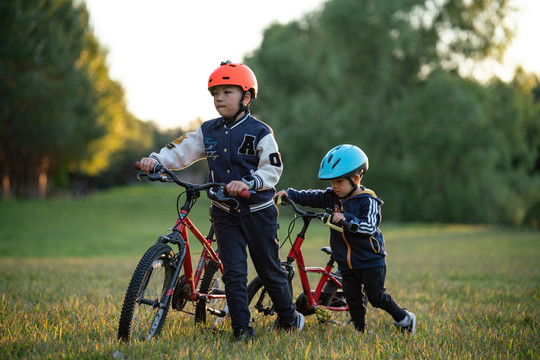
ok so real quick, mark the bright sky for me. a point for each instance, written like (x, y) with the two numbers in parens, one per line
(163, 51)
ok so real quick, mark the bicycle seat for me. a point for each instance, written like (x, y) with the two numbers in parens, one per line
(326, 249)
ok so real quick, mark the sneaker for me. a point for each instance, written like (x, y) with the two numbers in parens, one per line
(296, 325)
(407, 324)
(243, 335)
(299, 322)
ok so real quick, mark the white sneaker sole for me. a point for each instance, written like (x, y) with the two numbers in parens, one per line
(301, 321)
(413, 323)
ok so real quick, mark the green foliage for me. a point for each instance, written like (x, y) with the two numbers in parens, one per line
(384, 76)
(454, 146)
(60, 114)
(48, 107)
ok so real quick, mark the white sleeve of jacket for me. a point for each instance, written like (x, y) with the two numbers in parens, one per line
(182, 152)
(368, 224)
(270, 166)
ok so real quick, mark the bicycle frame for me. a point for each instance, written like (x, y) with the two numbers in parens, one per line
(183, 223)
(156, 283)
(326, 273)
(192, 278)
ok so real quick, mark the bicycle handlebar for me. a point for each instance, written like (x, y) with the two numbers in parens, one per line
(161, 173)
(325, 217)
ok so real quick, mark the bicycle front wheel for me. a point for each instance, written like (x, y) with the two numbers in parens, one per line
(144, 309)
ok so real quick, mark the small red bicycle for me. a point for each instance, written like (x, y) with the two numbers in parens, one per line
(165, 278)
(327, 300)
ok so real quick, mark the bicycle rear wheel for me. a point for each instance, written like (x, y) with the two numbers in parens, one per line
(261, 306)
(211, 284)
(143, 311)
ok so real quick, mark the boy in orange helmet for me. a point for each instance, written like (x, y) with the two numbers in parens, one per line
(240, 151)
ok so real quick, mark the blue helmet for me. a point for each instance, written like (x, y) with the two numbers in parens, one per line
(343, 161)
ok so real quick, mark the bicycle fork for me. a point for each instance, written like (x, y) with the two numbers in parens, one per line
(176, 263)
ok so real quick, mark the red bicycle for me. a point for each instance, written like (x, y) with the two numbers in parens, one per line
(326, 300)
(165, 278)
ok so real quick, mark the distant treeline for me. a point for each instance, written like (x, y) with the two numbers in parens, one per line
(388, 76)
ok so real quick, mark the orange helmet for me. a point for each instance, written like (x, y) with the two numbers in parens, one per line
(234, 74)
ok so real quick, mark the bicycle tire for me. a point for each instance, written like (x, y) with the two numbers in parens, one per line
(211, 284)
(143, 315)
(261, 306)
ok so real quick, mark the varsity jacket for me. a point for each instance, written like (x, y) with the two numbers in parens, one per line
(363, 249)
(246, 150)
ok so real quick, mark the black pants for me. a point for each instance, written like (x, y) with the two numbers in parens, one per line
(359, 283)
(258, 231)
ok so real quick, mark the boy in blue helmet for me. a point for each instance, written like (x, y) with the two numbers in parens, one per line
(360, 255)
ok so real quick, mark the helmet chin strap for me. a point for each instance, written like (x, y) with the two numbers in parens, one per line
(354, 187)
(229, 121)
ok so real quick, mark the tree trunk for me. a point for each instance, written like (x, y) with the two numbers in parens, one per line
(43, 177)
(6, 187)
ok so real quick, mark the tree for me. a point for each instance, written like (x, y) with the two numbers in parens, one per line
(48, 104)
(62, 116)
(518, 121)
(387, 76)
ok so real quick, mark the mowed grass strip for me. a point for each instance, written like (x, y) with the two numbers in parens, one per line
(475, 289)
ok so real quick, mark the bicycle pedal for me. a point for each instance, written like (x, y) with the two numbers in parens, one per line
(323, 314)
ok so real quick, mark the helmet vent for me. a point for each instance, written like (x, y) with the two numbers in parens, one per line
(226, 77)
(335, 164)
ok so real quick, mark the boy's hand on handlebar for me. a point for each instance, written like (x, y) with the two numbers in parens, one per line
(147, 164)
(281, 198)
(282, 193)
(337, 217)
(235, 187)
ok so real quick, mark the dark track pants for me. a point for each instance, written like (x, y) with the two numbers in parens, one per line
(258, 231)
(358, 283)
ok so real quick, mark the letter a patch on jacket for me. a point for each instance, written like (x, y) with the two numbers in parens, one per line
(248, 146)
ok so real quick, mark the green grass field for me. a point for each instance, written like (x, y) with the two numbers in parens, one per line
(66, 263)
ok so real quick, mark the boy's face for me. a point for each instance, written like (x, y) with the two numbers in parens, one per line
(227, 99)
(343, 186)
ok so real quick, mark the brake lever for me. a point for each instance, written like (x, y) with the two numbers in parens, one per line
(219, 195)
(140, 175)
(158, 177)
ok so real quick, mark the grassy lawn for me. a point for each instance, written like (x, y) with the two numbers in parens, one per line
(66, 263)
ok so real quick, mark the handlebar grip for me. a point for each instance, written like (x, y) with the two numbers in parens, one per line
(281, 200)
(156, 168)
(351, 226)
(245, 194)
(326, 220)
